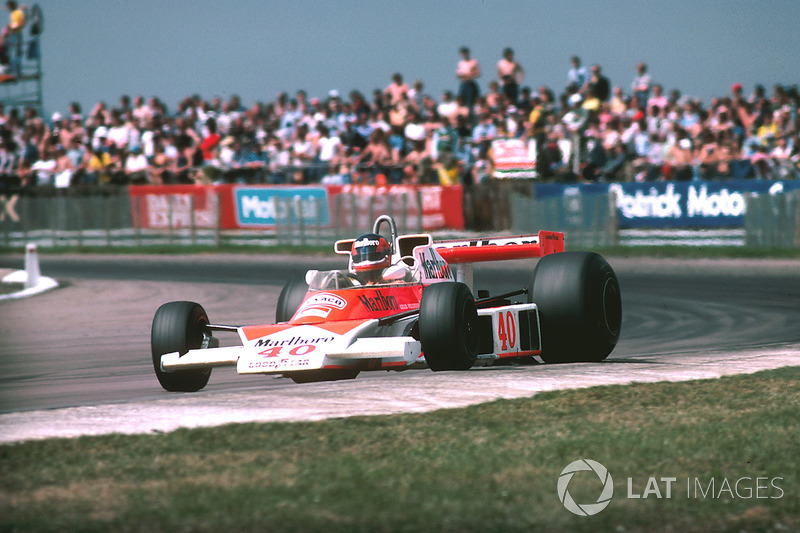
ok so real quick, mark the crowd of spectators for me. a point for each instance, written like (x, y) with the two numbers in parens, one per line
(587, 130)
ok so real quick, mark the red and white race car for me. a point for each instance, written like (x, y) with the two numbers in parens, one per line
(406, 301)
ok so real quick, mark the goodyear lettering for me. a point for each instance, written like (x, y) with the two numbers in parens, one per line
(275, 364)
(379, 302)
(293, 341)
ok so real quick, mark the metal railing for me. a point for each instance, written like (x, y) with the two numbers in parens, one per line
(106, 218)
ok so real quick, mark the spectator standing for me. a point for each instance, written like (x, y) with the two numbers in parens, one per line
(598, 84)
(395, 90)
(641, 85)
(415, 95)
(377, 157)
(9, 162)
(329, 151)
(209, 147)
(303, 153)
(577, 76)
(43, 170)
(510, 74)
(444, 141)
(468, 71)
(417, 162)
(658, 99)
(447, 107)
(136, 167)
(483, 134)
(12, 37)
(618, 105)
(210, 143)
(77, 155)
(537, 124)
(65, 170)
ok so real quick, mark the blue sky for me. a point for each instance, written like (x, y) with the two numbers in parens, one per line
(100, 49)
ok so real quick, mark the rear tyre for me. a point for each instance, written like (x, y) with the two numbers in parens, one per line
(290, 299)
(179, 327)
(448, 326)
(580, 306)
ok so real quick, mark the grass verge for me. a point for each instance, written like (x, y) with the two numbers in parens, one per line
(731, 445)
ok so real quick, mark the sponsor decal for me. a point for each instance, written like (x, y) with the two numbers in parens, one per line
(279, 364)
(366, 242)
(325, 299)
(434, 267)
(292, 341)
(379, 302)
(499, 241)
(314, 311)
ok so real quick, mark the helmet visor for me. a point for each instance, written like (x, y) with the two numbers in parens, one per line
(367, 255)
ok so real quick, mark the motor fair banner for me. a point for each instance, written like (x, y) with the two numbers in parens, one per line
(230, 206)
(669, 204)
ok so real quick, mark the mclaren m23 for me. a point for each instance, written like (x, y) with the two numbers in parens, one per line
(406, 301)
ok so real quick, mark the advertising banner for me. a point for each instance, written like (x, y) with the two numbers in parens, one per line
(263, 207)
(174, 206)
(440, 207)
(514, 158)
(230, 206)
(666, 204)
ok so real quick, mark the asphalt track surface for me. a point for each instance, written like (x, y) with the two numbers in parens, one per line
(76, 360)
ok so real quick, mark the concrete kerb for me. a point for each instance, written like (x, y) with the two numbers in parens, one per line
(30, 278)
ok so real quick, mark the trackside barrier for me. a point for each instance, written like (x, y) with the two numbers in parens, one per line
(72, 218)
(587, 220)
(114, 217)
(773, 220)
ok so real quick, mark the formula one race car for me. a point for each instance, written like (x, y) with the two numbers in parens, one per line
(402, 302)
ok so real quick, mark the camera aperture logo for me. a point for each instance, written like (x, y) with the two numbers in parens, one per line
(701, 489)
(585, 509)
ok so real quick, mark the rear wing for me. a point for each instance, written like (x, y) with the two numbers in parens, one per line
(500, 248)
(460, 254)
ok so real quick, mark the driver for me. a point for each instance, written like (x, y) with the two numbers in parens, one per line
(371, 253)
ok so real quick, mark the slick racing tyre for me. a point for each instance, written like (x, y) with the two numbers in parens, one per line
(180, 327)
(580, 307)
(448, 326)
(290, 299)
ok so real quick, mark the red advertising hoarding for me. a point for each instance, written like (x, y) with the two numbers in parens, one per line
(231, 206)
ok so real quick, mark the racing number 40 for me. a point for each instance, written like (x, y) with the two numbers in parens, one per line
(275, 351)
(507, 330)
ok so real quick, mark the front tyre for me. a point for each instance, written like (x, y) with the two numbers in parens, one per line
(580, 306)
(179, 327)
(448, 326)
(292, 295)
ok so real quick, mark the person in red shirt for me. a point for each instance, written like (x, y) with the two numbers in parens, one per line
(210, 142)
